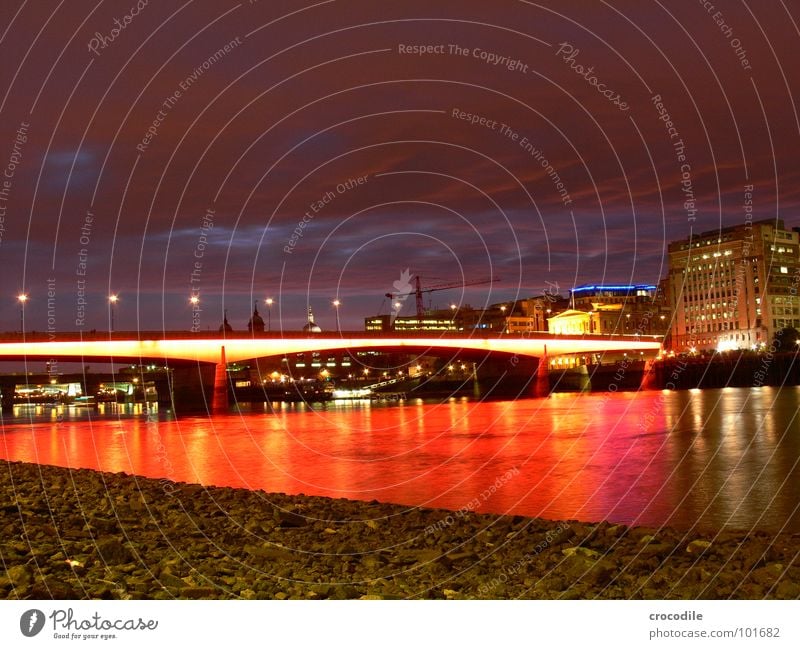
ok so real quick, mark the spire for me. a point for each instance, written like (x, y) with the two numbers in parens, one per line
(225, 327)
(256, 322)
(311, 326)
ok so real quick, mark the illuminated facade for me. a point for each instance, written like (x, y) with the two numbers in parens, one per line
(734, 288)
(606, 309)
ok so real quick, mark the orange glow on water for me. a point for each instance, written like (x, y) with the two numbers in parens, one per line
(632, 458)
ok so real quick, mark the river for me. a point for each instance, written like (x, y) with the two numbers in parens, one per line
(709, 460)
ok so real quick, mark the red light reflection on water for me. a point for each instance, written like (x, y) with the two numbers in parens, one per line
(713, 459)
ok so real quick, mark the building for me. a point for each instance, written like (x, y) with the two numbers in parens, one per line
(605, 309)
(734, 288)
(514, 316)
(256, 323)
(410, 323)
(311, 327)
(532, 314)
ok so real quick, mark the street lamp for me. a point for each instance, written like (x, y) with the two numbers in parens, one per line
(194, 300)
(336, 304)
(23, 298)
(269, 301)
(112, 301)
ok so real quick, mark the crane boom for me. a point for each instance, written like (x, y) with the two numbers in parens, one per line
(418, 290)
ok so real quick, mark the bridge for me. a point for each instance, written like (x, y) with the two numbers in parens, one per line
(206, 355)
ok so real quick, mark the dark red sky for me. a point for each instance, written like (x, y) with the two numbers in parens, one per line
(313, 94)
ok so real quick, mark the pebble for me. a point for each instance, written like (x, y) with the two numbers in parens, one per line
(123, 539)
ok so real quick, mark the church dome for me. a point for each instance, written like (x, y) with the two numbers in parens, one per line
(311, 326)
(256, 323)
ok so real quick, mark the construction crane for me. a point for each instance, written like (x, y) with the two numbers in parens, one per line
(418, 290)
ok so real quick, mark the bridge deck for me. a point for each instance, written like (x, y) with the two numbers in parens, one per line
(207, 348)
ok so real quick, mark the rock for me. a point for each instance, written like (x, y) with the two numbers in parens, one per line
(103, 525)
(769, 575)
(112, 552)
(417, 556)
(661, 550)
(787, 590)
(698, 546)
(198, 592)
(169, 580)
(581, 551)
(19, 576)
(271, 552)
(53, 589)
(290, 519)
(345, 591)
(638, 533)
(577, 568)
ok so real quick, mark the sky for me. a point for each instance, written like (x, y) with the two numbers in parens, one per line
(312, 151)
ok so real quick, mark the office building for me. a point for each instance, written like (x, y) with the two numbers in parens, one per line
(734, 288)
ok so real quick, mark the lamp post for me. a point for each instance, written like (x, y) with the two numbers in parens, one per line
(112, 301)
(336, 305)
(194, 300)
(269, 302)
(23, 298)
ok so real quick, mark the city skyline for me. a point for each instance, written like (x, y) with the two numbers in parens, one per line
(180, 157)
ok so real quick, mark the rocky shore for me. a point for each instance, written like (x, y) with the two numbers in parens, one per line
(74, 534)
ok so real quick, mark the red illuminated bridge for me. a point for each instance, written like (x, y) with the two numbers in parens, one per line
(197, 362)
(202, 348)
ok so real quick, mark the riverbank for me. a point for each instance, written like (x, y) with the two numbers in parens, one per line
(69, 534)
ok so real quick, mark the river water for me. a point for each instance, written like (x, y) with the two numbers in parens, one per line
(709, 459)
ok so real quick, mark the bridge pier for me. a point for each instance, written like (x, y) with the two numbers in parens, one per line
(542, 385)
(7, 396)
(219, 402)
(649, 377)
(200, 387)
(191, 388)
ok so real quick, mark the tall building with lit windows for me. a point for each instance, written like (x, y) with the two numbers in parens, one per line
(734, 288)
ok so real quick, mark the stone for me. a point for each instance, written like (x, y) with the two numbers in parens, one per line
(53, 589)
(198, 592)
(787, 590)
(698, 546)
(270, 551)
(661, 550)
(19, 576)
(112, 552)
(290, 519)
(581, 551)
(578, 568)
(345, 591)
(170, 580)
